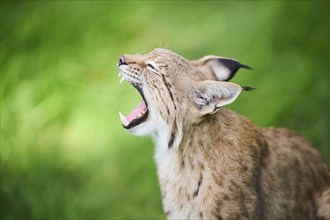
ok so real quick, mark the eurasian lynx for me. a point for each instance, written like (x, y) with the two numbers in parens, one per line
(213, 163)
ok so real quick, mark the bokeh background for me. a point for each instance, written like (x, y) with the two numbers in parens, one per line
(64, 153)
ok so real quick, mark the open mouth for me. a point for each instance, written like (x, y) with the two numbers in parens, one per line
(137, 115)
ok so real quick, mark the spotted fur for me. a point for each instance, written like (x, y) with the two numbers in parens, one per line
(213, 163)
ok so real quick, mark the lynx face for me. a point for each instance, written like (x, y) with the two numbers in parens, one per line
(175, 92)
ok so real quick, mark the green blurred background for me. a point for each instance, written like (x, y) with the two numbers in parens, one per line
(64, 153)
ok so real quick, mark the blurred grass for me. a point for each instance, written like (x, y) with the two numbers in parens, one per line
(64, 154)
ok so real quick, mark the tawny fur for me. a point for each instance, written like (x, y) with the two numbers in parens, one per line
(216, 164)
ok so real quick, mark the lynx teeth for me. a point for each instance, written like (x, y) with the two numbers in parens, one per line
(123, 119)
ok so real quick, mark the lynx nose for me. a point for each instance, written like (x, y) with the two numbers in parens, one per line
(121, 60)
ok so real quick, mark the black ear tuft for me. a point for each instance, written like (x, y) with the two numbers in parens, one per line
(232, 65)
(245, 67)
(247, 88)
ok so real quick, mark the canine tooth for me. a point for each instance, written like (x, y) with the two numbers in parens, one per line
(123, 119)
(121, 80)
(118, 74)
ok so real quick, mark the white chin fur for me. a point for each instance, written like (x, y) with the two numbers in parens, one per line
(145, 128)
(159, 130)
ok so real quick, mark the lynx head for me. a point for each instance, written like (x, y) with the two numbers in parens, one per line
(176, 92)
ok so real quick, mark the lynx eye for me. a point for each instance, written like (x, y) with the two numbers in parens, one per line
(151, 66)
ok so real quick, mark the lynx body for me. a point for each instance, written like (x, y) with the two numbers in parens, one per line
(213, 163)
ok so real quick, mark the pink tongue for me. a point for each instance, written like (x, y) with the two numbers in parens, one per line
(135, 112)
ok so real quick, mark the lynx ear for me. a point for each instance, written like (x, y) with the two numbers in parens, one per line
(211, 95)
(218, 68)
